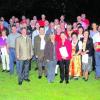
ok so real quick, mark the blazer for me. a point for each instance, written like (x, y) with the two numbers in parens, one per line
(68, 46)
(89, 46)
(37, 41)
(48, 52)
(23, 48)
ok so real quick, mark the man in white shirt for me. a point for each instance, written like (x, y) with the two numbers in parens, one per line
(96, 41)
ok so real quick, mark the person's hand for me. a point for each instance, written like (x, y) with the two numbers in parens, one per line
(36, 56)
(83, 53)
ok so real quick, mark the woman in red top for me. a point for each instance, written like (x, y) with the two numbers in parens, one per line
(63, 52)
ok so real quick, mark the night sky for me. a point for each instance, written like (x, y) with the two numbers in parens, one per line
(52, 8)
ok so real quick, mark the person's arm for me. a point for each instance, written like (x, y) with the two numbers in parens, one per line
(80, 48)
(17, 48)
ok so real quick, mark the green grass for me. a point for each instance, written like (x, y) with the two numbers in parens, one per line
(42, 90)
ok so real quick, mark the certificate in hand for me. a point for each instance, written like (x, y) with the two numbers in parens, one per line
(63, 52)
(85, 58)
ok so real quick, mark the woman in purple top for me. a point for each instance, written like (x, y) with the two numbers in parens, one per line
(4, 53)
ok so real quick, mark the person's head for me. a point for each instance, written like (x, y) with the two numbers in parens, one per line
(62, 17)
(23, 17)
(62, 25)
(2, 18)
(13, 18)
(52, 26)
(13, 28)
(74, 36)
(1, 23)
(37, 25)
(94, 26)
(74, 25)
(42, 30)
(80, 30)
(28, 21)
(99, 28)
(86, 34)
(69, 27)
(63, 36)
(24, 31)
(43, 16)
(46, 23)
(3, 33)
(79, 18)
(83, 16)
(17, 24)
(16, 20)
(56, 21)
(58, 30)
(34, 18)
(52, 37)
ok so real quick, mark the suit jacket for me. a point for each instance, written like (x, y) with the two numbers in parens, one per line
(23, 48)
(37, 42)
(48, 52)
(89, 46)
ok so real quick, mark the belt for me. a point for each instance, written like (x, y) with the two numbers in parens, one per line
(11, 47)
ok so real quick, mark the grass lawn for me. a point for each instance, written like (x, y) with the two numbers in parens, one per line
(42, 90)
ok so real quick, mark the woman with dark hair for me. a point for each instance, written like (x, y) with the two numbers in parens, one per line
(80, 32)
(63, 52)
(50, 56)
(87, 53)
(75, 63)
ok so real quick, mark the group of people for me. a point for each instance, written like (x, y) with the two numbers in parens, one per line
(73, 48)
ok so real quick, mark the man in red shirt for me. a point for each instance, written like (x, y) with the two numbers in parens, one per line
(42, 21)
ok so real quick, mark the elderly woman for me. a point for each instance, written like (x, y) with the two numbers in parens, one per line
(50, 56)
(75, 63)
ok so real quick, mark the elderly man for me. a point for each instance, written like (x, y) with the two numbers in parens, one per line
(24, 53)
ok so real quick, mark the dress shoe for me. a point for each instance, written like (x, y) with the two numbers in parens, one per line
(3, 70)
(7, 71)
(28, 80)
(39, 77)
(19, 83)
(67, 82)
(61, 81)
(85, 79)
(36, 68)
(56, 74)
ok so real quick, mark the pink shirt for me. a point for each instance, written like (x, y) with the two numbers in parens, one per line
(68, 46)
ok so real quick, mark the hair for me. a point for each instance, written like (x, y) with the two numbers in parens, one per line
(62, 33)
(13, 26)
(4, 31)
(88, 32)
(23, 28)
(74, 33)
(41, 27)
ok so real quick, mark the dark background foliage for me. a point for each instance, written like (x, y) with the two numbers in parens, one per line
(52, 8)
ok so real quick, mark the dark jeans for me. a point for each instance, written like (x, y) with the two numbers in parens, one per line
(23, 72)
(64, 70)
